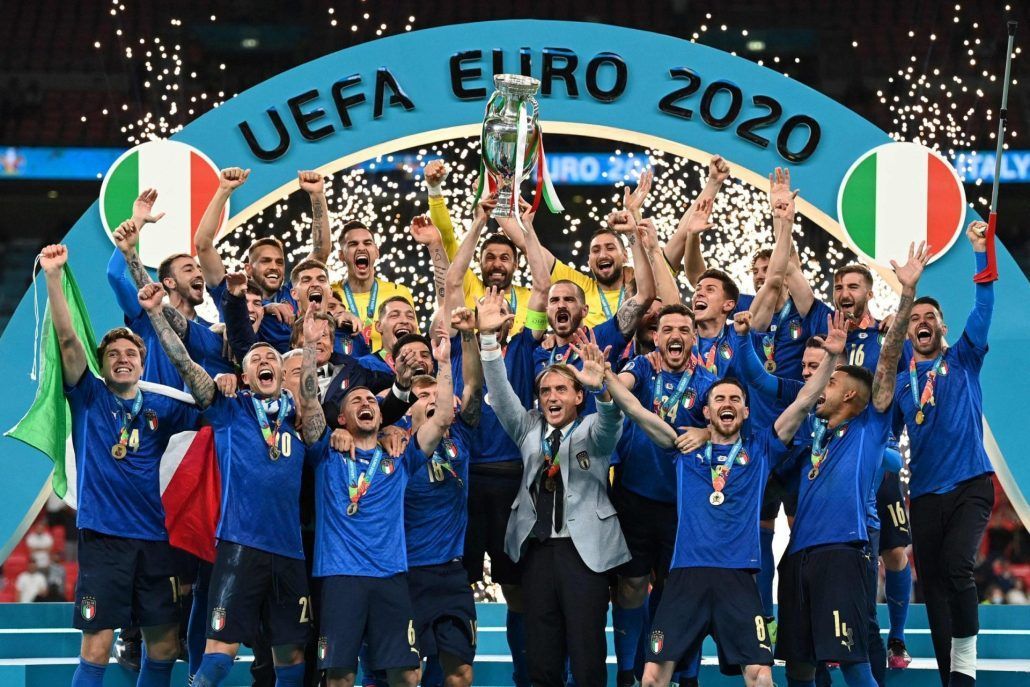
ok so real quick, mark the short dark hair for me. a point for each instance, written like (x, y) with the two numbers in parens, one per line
(931, 301)
(499, 238)
(121, 333)
(675, 309)
(297, 329)
(351, 225)
(164, 270)
(265, 241)
(815, 342)
(410, 338)
(601, 231)
(763, 254)
(861, 375)
(252, 287)
(565, 371)
(305, 265)
(579, 289)
(391, 299)
(854, 268)
(728, 285)
(728, 379)
(333, 293)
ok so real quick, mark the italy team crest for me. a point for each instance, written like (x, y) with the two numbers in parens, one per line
(387, 466)
(657, 641)
(323, 648)
(689, 398)
(88, 608)
(218, 619)
(151, 416)
(725, 352)
(795, 329)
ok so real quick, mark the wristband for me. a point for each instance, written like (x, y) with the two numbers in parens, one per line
(598, 392)
(487, 340)
(434, 191)
(536, 320)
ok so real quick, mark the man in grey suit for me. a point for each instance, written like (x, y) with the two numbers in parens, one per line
(562, 526)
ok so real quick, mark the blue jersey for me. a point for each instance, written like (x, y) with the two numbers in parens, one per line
(369, 543)
(271, 331)
(122, 497)
(647, 469)
(260, 496)
(376, 362)
(206, 348)
(832, 507)
(769, 395)
(490, 443)
(716, 353)
(436, 504)
(948, 448)
(607, 334)
(723, 536)
(863, 345)
(381, 361)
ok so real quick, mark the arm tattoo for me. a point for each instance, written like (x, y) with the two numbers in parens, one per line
(141, 278)
(467, 336)
(317, 218)
(198, 380)
(440, 265)
(886, 376)
(313, 419)
(473, 409)
(628, 317)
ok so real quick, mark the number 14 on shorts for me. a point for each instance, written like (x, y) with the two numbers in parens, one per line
(842, 631)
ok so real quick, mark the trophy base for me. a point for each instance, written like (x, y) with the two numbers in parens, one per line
(504, 205)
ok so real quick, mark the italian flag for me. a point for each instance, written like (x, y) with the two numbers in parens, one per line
(900, 193)
(185, 180)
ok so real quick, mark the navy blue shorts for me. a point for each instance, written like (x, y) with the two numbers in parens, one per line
(776, 493)
(650, 530)
(371, 610)
(445, 610)
(890, 507)
(493, 488)
(720, 602)
(823, 605)
(124, 583)
(251, 588)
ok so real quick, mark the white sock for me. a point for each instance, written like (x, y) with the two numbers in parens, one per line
(963, 655)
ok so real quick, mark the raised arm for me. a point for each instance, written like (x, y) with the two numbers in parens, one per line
(238, 329)
(659, 431)
(124, 287)
(314, 184)
(52, 260)
(539, 267)
(685, 243)
(427, 234)
(433, 429)
(666, 289)
(436, 173)
(211, 265)
(633, 308)
(462, 258)
(198, 380)
(505, 402)
(790, 419)
(798, 285)
(464, 321)
(979, 322)
(312, 417)
(886, 374)
(753, 372)
(126, 238)
(782, 200)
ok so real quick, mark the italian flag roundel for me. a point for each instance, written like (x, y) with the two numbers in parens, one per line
(899, 193)
(185, 180)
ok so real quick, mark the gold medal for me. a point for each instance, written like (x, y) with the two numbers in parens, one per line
(770, 366)
(273, 452)
(813, 473)
(920, 417)
(550, 484)
(716, 498)
(352, 508)
(119, 451)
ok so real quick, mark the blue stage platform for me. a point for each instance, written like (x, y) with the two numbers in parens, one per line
(38, 648)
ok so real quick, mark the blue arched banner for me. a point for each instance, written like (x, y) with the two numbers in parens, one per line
(598, 80)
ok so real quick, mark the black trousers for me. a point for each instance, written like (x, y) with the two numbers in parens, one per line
(566, 605)
(946, 532)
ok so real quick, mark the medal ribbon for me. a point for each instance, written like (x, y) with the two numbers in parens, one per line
(721, 473)
(662, 409)
(561, 358)
(373, 299)
(820, 451)
(769, 340)
(358, 485)
(552, 460)
(513, 300)
(708, 361)
(604, 302)
(270, 435)
(129, 417)
(927, 395)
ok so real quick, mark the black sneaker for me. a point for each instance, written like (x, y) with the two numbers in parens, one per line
(625, 678)
(128, 652)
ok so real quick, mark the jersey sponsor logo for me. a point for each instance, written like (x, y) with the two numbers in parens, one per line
(323, 648)
(88, 608)
(657, 641)
(218, 619)
(584, 460)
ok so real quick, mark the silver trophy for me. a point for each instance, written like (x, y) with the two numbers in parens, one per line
(500, 135)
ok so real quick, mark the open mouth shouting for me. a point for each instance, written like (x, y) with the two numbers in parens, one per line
(265, 377)
(402, 330)
(362, 260)
(924, 335)
(197, 285)
(699, 305)
(605, 265)
(847, 306)
(727, 416)
(366, 414)
(562, 317)
(496, 277)
(315, 295)
(554, 411)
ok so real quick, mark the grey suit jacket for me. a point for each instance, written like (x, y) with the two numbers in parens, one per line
(584, 459)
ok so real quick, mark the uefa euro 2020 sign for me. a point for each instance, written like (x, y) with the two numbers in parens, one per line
(602, 81)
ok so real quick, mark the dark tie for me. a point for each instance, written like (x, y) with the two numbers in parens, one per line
(549, 504)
